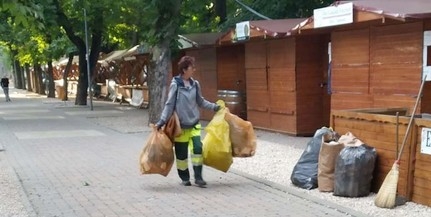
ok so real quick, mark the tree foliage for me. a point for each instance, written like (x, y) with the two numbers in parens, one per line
(54, 28)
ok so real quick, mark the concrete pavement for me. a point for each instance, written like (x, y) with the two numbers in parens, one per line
(68, 165)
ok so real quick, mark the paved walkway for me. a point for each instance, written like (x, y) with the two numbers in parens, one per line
(69, 166)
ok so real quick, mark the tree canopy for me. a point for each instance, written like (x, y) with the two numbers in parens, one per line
(40, 31)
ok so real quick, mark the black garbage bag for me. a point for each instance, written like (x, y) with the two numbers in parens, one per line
(304, 174)
(354, 171)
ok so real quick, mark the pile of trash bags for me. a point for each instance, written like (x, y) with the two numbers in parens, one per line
(342, 165)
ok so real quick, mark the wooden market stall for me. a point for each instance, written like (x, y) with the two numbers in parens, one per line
(123, 72)
(284, 75)
(202, 47)
(380, 52)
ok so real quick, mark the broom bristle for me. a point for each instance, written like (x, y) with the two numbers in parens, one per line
(386, 196)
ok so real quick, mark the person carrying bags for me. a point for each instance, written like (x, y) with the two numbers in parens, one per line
(185, 98)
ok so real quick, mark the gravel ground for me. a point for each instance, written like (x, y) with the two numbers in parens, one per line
(275, 157)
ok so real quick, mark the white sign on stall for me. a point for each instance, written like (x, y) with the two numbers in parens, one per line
(426, 63)
(333, 15)
(426, 141)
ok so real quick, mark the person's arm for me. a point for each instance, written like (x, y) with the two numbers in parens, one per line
(169, 105)
(202, 102)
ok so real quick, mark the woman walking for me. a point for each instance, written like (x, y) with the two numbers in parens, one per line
(185, 97)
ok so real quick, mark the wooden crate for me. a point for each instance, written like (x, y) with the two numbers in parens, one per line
(420, 188)
(377, 128)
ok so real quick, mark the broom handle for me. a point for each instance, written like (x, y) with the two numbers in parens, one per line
(397, 134)
(411, 118)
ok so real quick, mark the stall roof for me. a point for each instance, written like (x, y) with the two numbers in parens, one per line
(275, 28)
(201, 39)
(63, 61)
(394, 9)
(418, 9)
(272, 28)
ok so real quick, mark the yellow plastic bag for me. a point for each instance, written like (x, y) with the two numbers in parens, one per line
(157, 156)
(217, 148)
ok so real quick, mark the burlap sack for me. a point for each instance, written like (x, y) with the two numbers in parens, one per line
(326, 167)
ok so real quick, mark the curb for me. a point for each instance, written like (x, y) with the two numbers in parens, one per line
(299, 194)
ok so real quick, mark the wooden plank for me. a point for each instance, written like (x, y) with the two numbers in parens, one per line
(256, 55)
(392, 101)
(257, 79)
(426, 97)
(283, 123)
(400, 44)
(258, 100)
(341, 101)
(259, 119)
(350, 79)
(230, 68)
(422, 191)
(422, 183)
(406, 78)
(350, 47)
(424, 200)
(281, 53)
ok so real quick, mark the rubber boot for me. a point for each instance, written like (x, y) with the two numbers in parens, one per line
(198, 176)
(185, 177)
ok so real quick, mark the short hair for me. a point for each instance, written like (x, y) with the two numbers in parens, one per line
(185, 62)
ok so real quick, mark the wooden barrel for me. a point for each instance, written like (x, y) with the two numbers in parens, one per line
(235, 101)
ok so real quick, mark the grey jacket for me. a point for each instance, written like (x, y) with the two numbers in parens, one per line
(186, 103)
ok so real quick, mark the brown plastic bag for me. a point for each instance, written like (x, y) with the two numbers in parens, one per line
(349, 139)
(173, 128)
(326, 167)
(242, 136)
(157, 156)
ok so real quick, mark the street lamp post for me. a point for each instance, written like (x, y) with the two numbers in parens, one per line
(87, 57)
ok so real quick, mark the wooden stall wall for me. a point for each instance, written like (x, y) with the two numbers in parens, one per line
(257, 84)
(271, 88)
(206, 74)
(350, 69)
(282, 88)
(311, 75)
(230, 68)
(377, 67)
(379, 131)
(395, 64)
(231, 79)
(421, 180)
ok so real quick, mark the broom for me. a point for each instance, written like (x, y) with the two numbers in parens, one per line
(388, 191)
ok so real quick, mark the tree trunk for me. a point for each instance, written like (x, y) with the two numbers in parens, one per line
(18, 74)
(157, 80)
(51, 85)
(167, 24)
(221, 10)
(39, 87)
(28, 77)
(24, 81)
(81, 94)
(97, 30)
(66, 74)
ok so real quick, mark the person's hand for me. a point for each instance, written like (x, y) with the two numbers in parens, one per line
(217, 108)
(159, 125)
